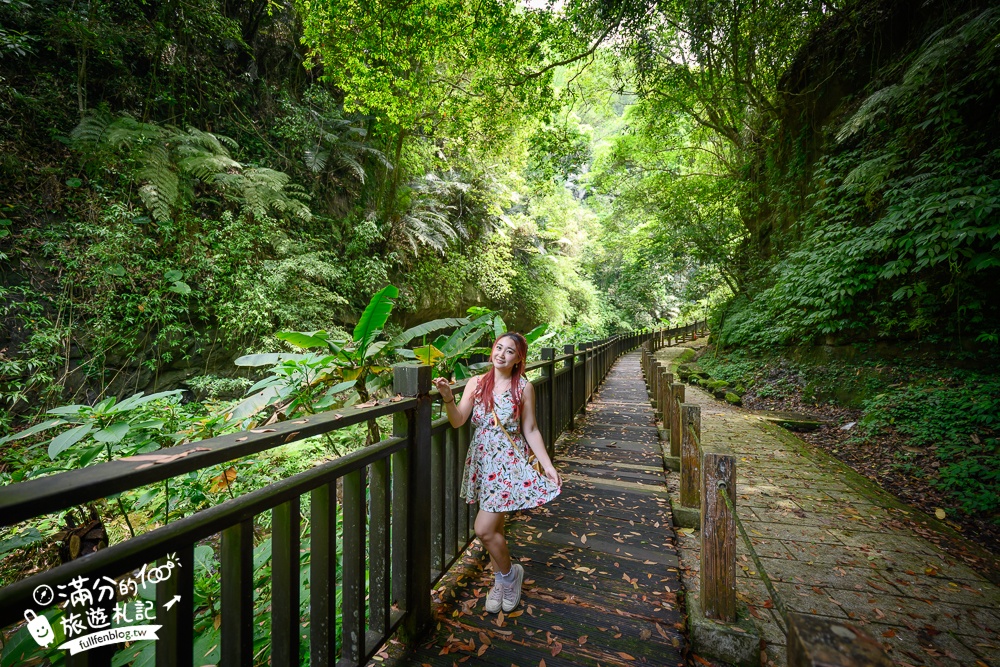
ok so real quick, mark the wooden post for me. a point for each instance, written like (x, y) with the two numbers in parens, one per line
(416, 425)
(571, 369)
(654, 394)
(675, 419)
(817, 641)
(690, 456)
(718, 537)
(663, 391)
(667, 380)
(549, 370)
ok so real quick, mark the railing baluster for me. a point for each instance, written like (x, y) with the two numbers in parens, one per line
(463, 452)
(285, 613)
(416, 425)
(323, 576)
(436, 493)
(353, 620)
(237, 594)
(549, 370)
(378, 552)
(451, 482)
(174, 648)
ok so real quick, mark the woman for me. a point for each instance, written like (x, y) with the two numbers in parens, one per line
(497, 473)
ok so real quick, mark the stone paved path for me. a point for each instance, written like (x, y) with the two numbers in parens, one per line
(835, 548)
(601, 569)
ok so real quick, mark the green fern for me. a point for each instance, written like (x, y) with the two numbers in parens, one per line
(170, 158)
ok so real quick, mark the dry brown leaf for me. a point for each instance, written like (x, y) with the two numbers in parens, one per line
(556, 649)
(262, 430)
(241, 439)
(222, 481)
(645, 634)
(291, 436)
(625, 656)
(582, 640)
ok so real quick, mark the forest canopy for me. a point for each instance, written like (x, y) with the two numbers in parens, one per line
(181, 180)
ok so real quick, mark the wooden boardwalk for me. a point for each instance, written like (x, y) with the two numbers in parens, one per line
(601, 579)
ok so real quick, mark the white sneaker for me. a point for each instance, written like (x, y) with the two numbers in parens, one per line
(512, 593)
(494, 598)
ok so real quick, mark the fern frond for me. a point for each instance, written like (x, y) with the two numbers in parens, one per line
(316, 158)
(91, 130)
(869, 110)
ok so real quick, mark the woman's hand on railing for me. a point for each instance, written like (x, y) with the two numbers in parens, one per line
(444, 388)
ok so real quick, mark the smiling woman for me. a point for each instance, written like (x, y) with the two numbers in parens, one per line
(498, 472)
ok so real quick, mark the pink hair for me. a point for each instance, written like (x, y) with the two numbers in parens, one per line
(484, 390)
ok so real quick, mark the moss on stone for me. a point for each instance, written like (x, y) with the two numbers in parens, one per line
(733, 398)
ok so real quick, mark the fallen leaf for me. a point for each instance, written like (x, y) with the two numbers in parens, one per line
(222, 481)
(291, 436)
(262, 430)
(241, 439)
(556, 649)
(890, 633)
(625, 656)
(645, 634)
(939, 513)
(582, 640)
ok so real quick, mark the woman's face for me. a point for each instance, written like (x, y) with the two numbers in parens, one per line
(505, 354)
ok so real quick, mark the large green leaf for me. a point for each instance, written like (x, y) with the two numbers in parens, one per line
(37, 428)
(304, 340)
(269, 358)
(375, 316)
(68, 410)
(113, 433)
(422, 330)
(499, 326)
(138, 399)
(67, 439)
(252, 405)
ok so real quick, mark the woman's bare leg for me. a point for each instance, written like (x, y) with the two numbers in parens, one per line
(490, 529)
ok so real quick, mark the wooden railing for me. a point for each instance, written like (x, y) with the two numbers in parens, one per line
(708, 486)
(392, 508)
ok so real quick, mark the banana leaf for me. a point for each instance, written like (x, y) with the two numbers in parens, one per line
(375, 316)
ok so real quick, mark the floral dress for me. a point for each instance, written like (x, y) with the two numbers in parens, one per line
(498, 475)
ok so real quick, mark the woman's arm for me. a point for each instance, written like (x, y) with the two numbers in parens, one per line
(529, 427)
(458, 412)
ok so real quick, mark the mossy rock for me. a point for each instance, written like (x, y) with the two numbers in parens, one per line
(732, 398)
(685, 356)
(717, 384)
(739, 389)
(705, 382)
